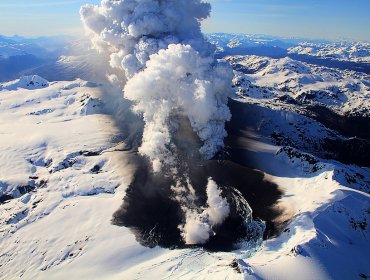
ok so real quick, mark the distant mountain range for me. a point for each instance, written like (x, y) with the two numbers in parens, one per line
(338, 54)
(27, 56)
(19, 54)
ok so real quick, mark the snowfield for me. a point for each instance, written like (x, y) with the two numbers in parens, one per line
(344, 92)
(65, 164)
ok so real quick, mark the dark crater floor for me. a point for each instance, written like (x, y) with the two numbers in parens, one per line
(149, 210)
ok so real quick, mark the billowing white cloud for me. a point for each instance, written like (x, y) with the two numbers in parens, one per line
(179, 80)
(166, 67)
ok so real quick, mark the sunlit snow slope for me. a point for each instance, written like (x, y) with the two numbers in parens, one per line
(65, 165)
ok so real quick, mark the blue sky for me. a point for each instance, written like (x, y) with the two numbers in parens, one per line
(300, 18)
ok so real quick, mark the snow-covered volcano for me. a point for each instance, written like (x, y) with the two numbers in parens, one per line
(167, 157)
(67, 160)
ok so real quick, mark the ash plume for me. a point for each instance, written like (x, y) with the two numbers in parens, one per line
(156, 53)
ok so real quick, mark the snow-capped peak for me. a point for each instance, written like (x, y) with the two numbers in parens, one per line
(26, 82)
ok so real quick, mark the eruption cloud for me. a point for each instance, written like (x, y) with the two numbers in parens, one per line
(158, 55)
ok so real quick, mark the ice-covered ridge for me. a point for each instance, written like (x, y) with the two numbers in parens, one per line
(25, 82)
(345, 92)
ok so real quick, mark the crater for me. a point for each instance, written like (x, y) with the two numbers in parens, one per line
(152, 214)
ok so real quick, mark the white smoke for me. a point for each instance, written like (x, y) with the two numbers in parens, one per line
(158, 54)
(199, 227)
(180, 81)
(218, 208)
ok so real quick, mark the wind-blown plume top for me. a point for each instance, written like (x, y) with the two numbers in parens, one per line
(131, 30)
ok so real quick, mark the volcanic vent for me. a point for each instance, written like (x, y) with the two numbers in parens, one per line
(181, 195)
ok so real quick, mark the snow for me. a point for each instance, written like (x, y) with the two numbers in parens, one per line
(73, 210)
(7, 51)
(26, 82)
(265, 79)
(53, 137)
(337, 50)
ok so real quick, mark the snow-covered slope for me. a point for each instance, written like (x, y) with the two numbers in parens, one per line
(65, 166)
(60, 166)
